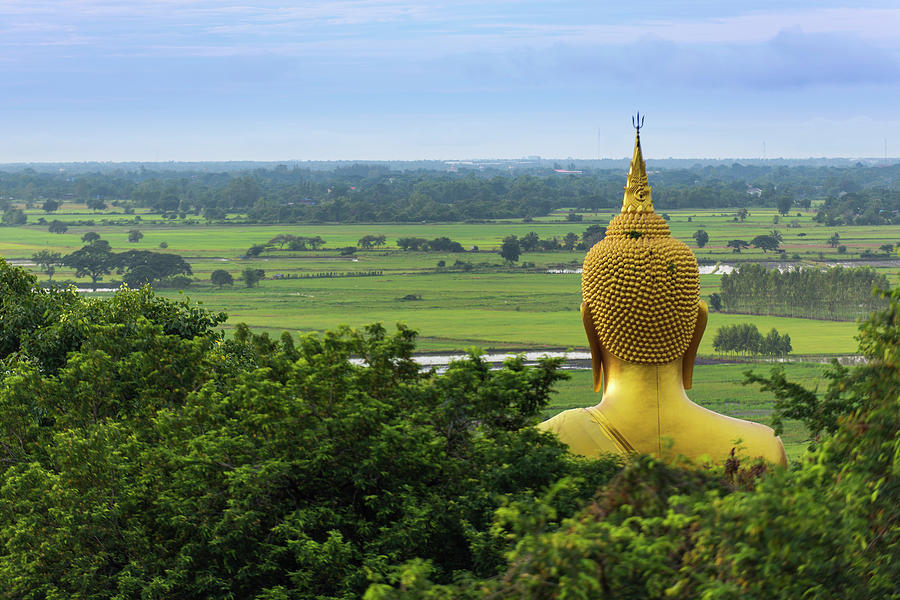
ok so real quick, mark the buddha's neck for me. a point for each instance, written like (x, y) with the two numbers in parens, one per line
(634, 391)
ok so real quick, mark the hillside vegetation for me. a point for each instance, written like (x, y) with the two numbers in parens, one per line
(145, 456)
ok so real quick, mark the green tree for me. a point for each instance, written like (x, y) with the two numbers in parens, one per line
(50, 206)
(510, 249)
(90, 237)
(57, 226)
(252, 276)
(715, 302)
(93, 260)
(134, 236)
(784, 202)
(411, 243)
(701, 237)
(834, 240)
(570, 241)
(369, 241)
(529, 242)
(765, 243)
(255, 250)
(738, 245)
(96, 204)
(144, 266)
(592, 235)
(14, 216)
(221, 277)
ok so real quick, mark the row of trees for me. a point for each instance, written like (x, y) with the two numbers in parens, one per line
(97, 259)
(286, 241)
(834, 293)
(766, 242)
(439, 244)
(745, 339)
(513, 246)
(378, 192)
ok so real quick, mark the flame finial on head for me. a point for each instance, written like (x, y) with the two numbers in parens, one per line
(641, 284)
(637, 189)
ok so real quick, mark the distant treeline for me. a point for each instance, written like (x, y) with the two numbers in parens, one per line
(836, 293)
(363, 193)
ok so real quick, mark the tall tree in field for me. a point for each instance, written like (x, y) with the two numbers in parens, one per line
(134, 236)
(738, 245)
(96, 204)
(252, 276)
(510, 249)
(57, 226)
(143, 266)
(94, 260)
(765, 243)
(529, 241)
(784, 202)
(701, 237)
(221, 277)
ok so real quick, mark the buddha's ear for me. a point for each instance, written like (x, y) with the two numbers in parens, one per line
(596, 348)
(687, 363)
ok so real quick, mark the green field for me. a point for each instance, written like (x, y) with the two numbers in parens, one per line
(718, 388)
(492, 306)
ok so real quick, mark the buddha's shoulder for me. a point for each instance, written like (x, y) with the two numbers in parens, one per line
(565, 419)
(579, 432)
(751, 439)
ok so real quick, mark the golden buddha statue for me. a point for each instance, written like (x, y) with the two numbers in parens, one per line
(644, 319)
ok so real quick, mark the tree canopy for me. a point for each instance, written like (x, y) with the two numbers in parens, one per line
(141, 448)
(144, 455)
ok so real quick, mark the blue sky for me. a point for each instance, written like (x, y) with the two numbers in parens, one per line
(165, 80)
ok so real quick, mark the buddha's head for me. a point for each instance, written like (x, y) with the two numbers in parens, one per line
(640, 286)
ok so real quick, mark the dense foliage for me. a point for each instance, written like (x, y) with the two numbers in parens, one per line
(745, 338)
(861, 207)
(144, 456)
(834, 293)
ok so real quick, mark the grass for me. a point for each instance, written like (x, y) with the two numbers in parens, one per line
(719, 388)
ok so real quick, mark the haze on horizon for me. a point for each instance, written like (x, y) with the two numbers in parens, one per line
(203, 80)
